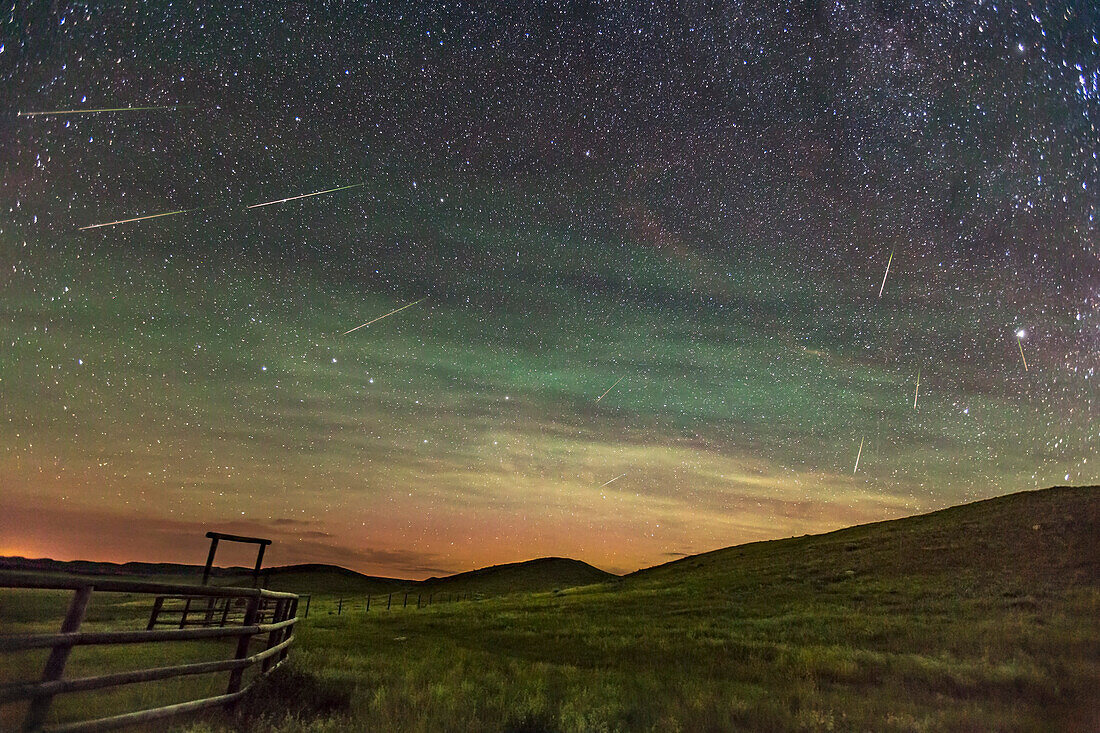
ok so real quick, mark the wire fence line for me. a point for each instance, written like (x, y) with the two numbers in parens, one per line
(393, 601)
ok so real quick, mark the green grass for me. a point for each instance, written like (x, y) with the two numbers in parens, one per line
(667, 659)
(978, 618)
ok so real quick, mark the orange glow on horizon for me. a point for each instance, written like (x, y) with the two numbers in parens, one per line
(67, 534)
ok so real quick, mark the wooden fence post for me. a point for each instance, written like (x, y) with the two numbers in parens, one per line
(284, 609)
(389, 598)
(281, 607)
(157, 604)
(186, 610)
(406, 603)
(368, 603)
(339, 606)
(55, 663)
(243, 642)
(418, 600)
(290, 630)
(308, 599)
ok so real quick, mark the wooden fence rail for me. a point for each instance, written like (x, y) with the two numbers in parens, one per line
(260, 612)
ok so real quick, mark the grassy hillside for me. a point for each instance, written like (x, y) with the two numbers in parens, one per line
(1034, 541)
(977, 618)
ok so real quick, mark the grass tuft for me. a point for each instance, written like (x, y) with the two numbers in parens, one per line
(291, 697)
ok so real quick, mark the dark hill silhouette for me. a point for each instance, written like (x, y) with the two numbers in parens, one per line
(542, 574)
(318, 578)
(305, 578)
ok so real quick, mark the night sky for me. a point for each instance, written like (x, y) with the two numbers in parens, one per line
(650, 240)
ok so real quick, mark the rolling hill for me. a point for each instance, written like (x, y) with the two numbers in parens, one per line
(530, 576)
(1026, 542)
(542, 574)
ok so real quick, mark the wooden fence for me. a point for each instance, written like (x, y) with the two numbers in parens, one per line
(219, 613)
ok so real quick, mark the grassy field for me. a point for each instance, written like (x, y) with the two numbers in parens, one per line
(977, 618)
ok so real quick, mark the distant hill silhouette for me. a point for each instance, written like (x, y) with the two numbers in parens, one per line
(542, 574)
(88, 567)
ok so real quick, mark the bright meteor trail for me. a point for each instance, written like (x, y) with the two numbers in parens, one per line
(96, 111)
(888, 263)
(306, 195)
(137, 218)
(1020, 342)
(379, 318)
(859, 454)
(609, 389)
(612, 480)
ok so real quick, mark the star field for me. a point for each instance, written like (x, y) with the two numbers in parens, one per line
(652, 247)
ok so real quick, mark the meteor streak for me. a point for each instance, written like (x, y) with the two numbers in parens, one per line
(306, 195)
(888, 262)
(859, 454)
(379, 318)
(138, 218)
(96, 111)
(1020, 342)
(612, 480)
(917, 390)
(610, 388)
